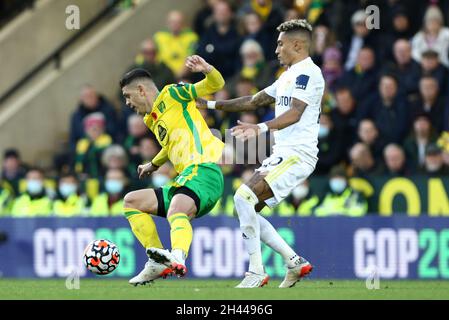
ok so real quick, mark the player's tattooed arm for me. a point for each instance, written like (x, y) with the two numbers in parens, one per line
(288, 118)
(247, 103)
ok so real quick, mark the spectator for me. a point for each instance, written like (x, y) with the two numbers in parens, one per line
(147, 59)
(148, 149)
(253, 30)
(415, 145)
(330, 145)
(361, 37)
(175, 44)
(431, 66)
(346, 115)
(137, 130)
(341, 199)
(220, 43)
(91, 102)
(90, 149)
(404, 67)
(362, 79)
(271, 15)
(203, 17)
(34, 202)
(434, 36)
(389, 110)
(369, 135)
(6, 197)
(332, 68)
(395, 162)
(69, 201)
(110, 201)
(303, 199)
(434, 163)
(13, 170)
(362, 161)
(115, 157)
(254, 66)
(162, 176)
(430, 102)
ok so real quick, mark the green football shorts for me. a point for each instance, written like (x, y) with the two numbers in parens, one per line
(202, 182)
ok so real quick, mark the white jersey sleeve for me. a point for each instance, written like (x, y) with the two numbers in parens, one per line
(305, 88)
(271, 90)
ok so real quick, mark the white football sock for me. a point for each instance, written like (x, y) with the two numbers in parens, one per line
(271, 237)
(245, 200)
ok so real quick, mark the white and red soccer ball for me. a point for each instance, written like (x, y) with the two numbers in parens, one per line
(101, 256)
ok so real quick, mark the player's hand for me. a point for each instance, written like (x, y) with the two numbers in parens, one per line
(244, 130)
(201, 103)
(145, 170)
(197, 64)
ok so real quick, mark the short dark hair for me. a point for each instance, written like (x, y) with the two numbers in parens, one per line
(296, 25)
(11, 153)
(133, 75)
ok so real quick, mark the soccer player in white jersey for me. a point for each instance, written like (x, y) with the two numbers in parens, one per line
(297, 94)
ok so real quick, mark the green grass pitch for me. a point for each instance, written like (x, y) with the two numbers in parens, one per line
(185, 289)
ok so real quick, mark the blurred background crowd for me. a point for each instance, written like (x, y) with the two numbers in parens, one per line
(385, 110)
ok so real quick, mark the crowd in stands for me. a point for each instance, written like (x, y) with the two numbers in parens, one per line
(385, 111)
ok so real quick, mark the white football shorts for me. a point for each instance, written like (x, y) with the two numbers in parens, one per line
(285, 170)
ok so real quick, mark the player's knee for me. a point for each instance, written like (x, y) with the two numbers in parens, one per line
(129, 200)
(244, 194)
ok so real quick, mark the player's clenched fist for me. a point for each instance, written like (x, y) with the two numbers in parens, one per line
(197, 64)
(145, 170)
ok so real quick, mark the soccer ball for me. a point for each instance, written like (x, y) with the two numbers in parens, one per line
(101, 256)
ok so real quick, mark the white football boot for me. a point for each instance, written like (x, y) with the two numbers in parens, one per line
(166, 258)
(152, 271)
(253, 280)
(295, 274)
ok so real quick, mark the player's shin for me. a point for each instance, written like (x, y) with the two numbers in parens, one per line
(143, 227)
(181, 235)
(271, 237)
(245, 200)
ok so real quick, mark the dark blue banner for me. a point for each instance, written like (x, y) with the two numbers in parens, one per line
(397, 247)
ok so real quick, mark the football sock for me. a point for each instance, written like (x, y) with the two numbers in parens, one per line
(271, 237)
(245, 200)
(143, 227)
(181, 235)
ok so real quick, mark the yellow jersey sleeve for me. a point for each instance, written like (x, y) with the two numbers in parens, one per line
(212, 83)
(160, 158)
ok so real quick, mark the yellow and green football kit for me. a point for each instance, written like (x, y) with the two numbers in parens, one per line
(188, 143)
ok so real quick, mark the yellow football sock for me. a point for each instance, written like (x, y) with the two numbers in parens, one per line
(181, 232)
(143, 227)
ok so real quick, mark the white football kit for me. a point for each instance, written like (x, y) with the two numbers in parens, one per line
(295, 147)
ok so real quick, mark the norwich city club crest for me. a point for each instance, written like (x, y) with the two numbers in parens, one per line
(161, 130)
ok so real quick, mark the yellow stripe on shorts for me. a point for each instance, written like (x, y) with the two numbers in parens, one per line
(281, 169)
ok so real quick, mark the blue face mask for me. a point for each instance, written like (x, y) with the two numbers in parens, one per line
(35, 187)
(113, 186)
(67, 189)
(337, 185)
(323, 132)
(159, 180)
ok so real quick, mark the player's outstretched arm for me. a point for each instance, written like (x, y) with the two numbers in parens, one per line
(247, 103)
(213, 81)
(245, 131)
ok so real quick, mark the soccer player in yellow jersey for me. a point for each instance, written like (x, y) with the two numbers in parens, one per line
(186, 141)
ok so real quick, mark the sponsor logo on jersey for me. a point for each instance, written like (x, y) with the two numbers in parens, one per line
(301, 81)
(162, 133)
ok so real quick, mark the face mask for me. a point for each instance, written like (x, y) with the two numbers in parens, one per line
(159, 180)
(113, 186)
(323, 132)
(300, 192)
(67, 189)
(34, 187)
(433, 167)
(337, 185)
